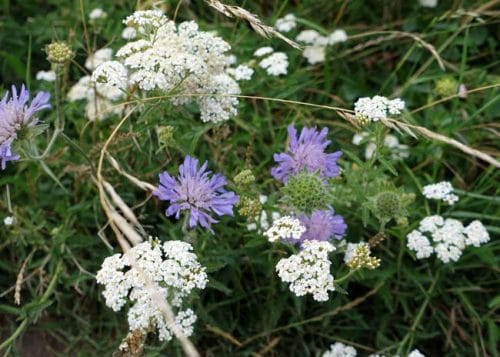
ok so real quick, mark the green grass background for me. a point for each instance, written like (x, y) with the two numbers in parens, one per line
(444, 310)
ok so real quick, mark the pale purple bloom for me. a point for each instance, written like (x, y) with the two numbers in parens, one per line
(6, 155)
(195, 191)
(322, 225)
(17, 115)
(306, 153)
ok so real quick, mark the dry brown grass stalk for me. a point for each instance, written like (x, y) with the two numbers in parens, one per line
(395, 34)
(122, 228)
(254, 22)
(410, 128)
(19, 280)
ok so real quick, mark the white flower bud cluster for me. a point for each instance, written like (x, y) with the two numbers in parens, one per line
(286, 24)
(175, 272)
(448, 238)
(338, 349)
(99, 57)
(161, 55)
(440, 191)
(276, 64)
(48, 76)
(377, 108)
(241, 73)
(315, 50)
(308, 271)
(285, 228)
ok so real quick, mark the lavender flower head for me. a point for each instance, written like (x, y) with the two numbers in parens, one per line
(322, 225)
(16, 115)
(195, 191)
(306, 152)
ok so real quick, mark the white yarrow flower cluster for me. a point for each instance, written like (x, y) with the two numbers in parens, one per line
(440, 191)
(315, 50)
(97, 13)
(48, 76)
(241, 73)
(448, 238)
(112, 73)
(99, 57)
(377, 108)
(338, 349)
(416, 353)
(129, 33)
(275, 63)
(100, 98)
(308, 271)
(8, 221)
(162, 55)
(262, 51)
(476, 234)
(398, 151)
(174, 271)
(286, 24)
(285, 228)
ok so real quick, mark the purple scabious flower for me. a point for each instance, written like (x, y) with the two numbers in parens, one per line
(195, 191)
(306, 152)
(322, 225)
(16, 115)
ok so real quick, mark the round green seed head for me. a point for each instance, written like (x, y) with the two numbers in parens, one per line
(446, 86)
(387, 204)
(306, 192)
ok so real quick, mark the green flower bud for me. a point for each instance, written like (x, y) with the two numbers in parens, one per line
(58, 52)
(362, 120)
(249, 207)
(446, 86)
(387, 205)
(402, 221)
(307, 192)
(244, 178)
(166, 135)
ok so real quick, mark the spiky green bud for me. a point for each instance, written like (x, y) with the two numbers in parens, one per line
(387, 205)
(307, 192)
